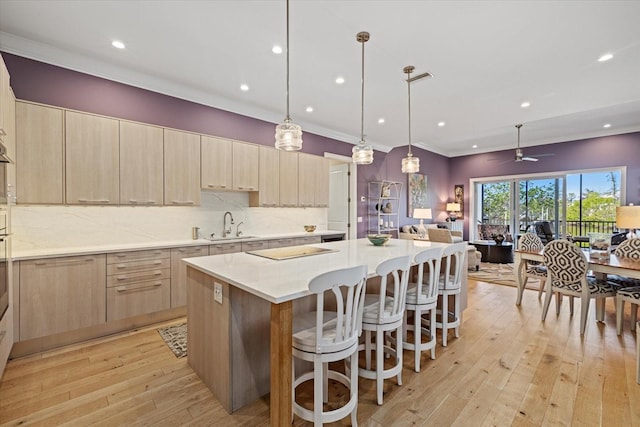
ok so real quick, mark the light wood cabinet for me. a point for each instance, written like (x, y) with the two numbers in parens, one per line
(245, 166)
(307, 240)
(282, 243)
(10, 143)
(138, 282)
(61, 294)
(6, 337)
(288, 179)
(268, 194)
(179, 272)
(5, 88)
(92, 159)
(225, 248)
(216, 163)
(252, 246)
(141, 164)
(181, 168)
(39, 154)
(313, 174)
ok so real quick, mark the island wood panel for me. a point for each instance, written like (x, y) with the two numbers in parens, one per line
(39, 154)
(141, 164)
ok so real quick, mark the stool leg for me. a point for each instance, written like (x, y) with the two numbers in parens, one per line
(367, 349)
(417, 339)
(354, 388)
(399, 352)
(445, 318)
(318, 383)
(456, 300)
(432, 331)
(325, 385)
(379, 364)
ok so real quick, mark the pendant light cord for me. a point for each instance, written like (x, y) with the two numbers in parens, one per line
(408, 71)
(287, 119)
(362, 98)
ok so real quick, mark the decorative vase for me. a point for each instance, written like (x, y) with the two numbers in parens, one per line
(499, 239)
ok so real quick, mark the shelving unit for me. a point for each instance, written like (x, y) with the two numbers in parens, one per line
(381, 196)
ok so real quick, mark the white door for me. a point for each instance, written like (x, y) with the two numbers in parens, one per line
(338, 215)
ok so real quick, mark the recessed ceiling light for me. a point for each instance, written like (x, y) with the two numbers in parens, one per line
(244, 87)
(608, 125)
(276, 49)
(474, 146)
(605, 57)
(525, 104)
(117, 44)
(441, 124)
(339, 80)
(381, 120)
(309, 109)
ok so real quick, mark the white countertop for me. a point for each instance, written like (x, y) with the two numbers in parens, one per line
(97, 248)
(280, 281)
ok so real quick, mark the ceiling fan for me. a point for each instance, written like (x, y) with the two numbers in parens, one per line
(520, 157)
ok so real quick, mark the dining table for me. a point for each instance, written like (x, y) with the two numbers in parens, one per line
(240, 310)
(600, 266)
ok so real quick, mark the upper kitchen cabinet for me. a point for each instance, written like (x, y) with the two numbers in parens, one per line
(39, 154)
(141, 164)
(181, 168)
(268, 194)
(92, 159)
(245, 166)
(5, 100)
(217, 163)
(288, 179)
(313, 181)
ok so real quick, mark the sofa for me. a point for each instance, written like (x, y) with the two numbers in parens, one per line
(444, 235)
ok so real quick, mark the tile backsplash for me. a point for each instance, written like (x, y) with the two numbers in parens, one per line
(38, 227)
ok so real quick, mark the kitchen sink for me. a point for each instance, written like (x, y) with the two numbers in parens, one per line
(224, 239)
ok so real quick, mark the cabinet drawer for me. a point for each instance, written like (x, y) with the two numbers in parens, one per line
(137, 255)
(138, 276)
(282, 243)
(189, 252)
(140, 298)
(252, 246)
(133, 266)
(6, 338)
(308, 239)
(225, 248)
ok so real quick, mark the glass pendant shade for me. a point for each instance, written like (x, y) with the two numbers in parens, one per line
(362, 154)
(410, 164)
(288, 136)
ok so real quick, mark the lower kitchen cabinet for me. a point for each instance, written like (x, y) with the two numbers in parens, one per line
(61, 294)
(179, 272)
(138, 282)
(225, 248)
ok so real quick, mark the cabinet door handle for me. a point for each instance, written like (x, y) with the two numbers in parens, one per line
(67, 261)
(189, 251)
(183, 202)
(216, 186)
(142, 202)
(125, 277)
(137, 288)
(153, 262)
(93, 200)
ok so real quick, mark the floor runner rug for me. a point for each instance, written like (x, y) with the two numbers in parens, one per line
(176, 338)
(501, 274)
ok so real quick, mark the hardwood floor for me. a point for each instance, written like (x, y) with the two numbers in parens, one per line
(507, 368)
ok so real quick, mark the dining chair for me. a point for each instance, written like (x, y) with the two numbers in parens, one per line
(325, 336)
(630, 249)
(450, 284)
(629, 287)
(567, 275)
(422, 299)
(383, 313)
(532, 269)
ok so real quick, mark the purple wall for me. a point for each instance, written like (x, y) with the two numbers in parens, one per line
(594, 153)
(48, 84)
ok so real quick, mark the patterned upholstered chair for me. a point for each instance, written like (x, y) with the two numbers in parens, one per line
(532, 269)
(630, 288)
(567, 271)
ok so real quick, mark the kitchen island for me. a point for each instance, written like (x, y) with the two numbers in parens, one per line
(241, 346)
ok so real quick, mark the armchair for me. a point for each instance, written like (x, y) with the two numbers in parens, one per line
(544, 231)
(445, 235)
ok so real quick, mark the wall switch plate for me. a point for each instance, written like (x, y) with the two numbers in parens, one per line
(359, 219)
(217, 292)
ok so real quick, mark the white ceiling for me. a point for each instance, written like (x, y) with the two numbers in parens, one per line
(487, 58)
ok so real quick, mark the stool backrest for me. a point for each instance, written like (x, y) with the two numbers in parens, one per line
(452, 267)
(347, 287)
(394, 278)
(427, 283)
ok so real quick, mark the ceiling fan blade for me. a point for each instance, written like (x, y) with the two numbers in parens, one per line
(530, 159)
(543, 155)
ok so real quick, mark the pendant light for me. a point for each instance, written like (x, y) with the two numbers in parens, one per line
(288, 134)
(363, 152)
(410, 164)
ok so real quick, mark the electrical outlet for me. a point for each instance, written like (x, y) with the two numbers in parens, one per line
(217, 292)
(359, 219)
(363, 199)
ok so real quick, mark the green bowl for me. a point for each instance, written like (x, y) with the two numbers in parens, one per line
(378, 239)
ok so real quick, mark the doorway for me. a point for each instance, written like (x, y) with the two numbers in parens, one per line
(342, 191)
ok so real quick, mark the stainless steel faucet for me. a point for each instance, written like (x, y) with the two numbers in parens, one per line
(226, 231)
(238, 232)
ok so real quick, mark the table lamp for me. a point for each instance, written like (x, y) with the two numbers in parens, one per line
(453, 209)
(628, 217)
(421, 214)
